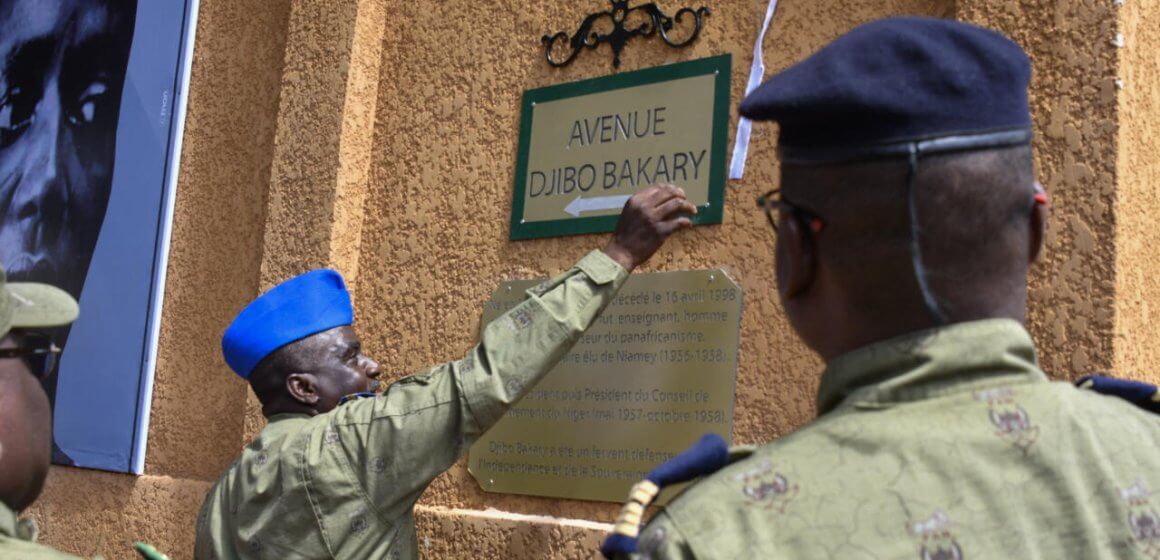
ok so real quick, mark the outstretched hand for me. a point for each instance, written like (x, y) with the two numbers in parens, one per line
(648, 219)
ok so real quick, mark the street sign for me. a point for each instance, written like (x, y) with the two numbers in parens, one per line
(586, 147)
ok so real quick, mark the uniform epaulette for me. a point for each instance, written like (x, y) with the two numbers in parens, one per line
(739, 453)
(706, 456)
(357, 396)
(1143, 395)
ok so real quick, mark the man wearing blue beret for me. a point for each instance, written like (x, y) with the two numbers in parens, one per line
(906, 222)
(337, 470)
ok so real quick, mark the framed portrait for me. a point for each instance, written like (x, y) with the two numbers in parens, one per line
(92, 103)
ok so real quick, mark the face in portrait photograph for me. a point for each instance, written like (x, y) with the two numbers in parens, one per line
(62, 71)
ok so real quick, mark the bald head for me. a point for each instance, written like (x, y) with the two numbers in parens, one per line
(976, 229)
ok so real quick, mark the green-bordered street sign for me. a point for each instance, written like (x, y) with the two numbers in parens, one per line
(587, 146)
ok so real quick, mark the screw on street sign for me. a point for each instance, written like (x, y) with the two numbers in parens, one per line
(586, 147)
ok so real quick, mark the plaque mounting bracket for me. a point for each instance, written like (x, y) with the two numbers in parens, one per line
(653, 22)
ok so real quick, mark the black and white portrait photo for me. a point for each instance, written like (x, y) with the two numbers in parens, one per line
(62, 70)
(89, 95)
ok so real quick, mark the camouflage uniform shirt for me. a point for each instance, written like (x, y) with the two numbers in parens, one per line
(343, 484)
(948, 444)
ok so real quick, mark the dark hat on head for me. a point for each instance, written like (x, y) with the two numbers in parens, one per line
(892, 83)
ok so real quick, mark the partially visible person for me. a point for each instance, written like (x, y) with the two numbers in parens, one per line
(338, 469)
(62, 71)
(906, 222)
(26, 356)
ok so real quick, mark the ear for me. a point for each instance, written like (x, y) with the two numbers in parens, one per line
(1037, 224)
(795, 257)
(303, 387)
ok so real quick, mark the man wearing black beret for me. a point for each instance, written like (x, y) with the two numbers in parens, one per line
(906, 221)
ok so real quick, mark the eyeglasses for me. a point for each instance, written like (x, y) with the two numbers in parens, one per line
(38, 351)
(772, 200)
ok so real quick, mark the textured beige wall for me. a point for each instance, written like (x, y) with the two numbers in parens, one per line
(89, 512)
(379, 137)
(217, 234)
(1073, 102)
(325, 123)
(1137, 335)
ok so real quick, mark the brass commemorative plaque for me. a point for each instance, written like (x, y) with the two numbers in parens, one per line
(653, 374)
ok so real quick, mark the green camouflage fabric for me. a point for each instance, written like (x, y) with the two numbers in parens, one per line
(18, 539)
(948, 444)
(343, 484)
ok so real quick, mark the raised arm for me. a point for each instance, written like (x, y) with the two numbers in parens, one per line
(421, 424)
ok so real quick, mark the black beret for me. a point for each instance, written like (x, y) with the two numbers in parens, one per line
(901, 79)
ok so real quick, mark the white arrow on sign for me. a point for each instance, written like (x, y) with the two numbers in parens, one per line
(582, 204)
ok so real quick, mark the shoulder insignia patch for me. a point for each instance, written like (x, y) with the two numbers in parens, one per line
(765, 487)
(1011, 421)
(936, 540)
(1143, 521)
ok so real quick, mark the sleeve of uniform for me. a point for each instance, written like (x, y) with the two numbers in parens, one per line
(518, 348)
(419, 427)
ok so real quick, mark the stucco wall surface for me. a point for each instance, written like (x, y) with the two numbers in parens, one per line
(214, 258)
(89, 513)
(1073, 103)
(496, 534)
(1138, 205)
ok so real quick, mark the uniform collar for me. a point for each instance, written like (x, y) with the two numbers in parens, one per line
(930, 363)
(283, 421)
(282, 416)
(13, 527)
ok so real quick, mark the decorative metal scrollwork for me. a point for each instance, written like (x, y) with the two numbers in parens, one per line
(622, 31)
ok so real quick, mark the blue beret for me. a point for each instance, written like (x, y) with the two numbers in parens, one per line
(902, 79)
(293, 310)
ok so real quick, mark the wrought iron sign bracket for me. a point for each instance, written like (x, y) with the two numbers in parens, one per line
(654, 22)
